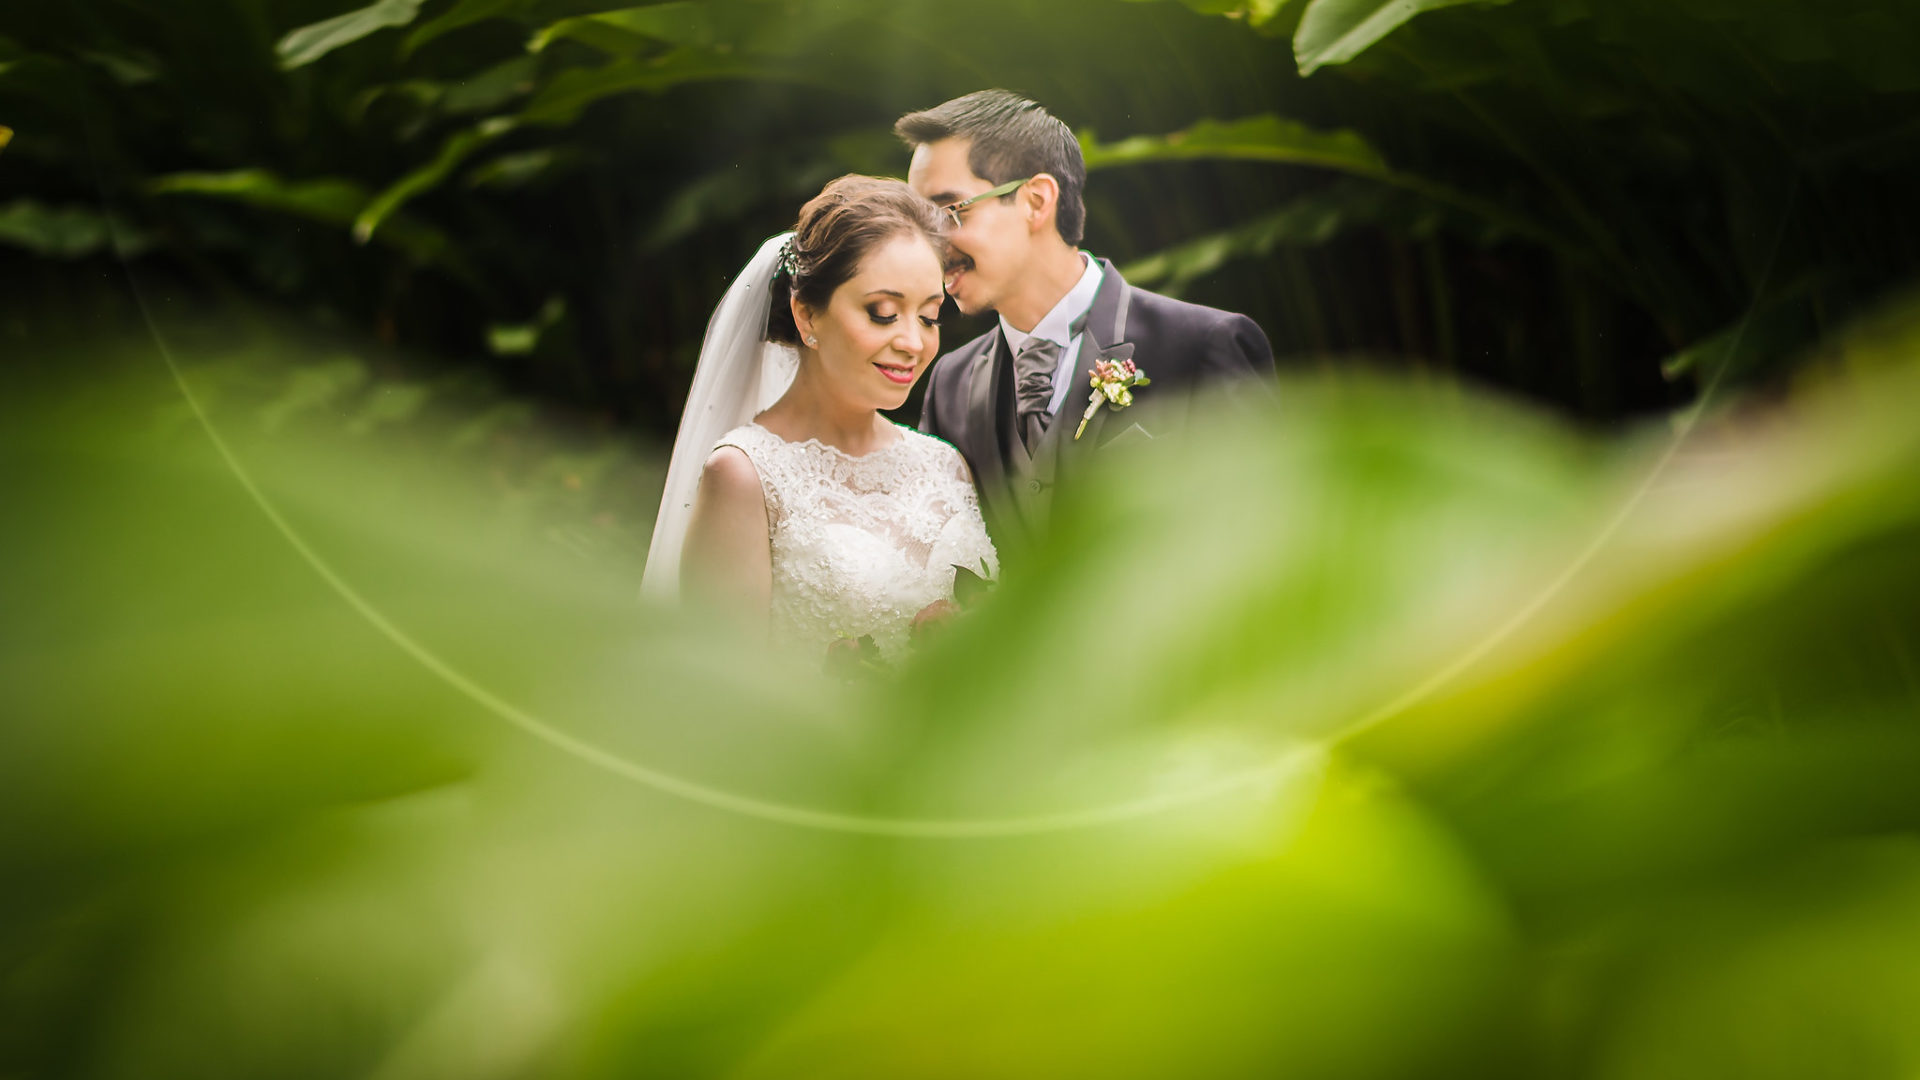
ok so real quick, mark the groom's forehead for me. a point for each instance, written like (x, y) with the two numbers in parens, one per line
(939, 171)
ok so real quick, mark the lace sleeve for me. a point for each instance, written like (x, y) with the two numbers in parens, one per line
(965, 541)
(964, 476)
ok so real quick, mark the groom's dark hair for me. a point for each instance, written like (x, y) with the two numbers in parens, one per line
(1009, 138)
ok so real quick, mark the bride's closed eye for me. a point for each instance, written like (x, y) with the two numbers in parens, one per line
(928, 321)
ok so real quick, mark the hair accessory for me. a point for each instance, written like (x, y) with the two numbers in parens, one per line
(789, 263)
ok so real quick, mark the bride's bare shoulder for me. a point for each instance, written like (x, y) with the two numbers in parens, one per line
(729, 474)
(729, 508)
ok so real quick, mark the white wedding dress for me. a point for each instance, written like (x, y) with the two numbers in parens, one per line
(861, 544)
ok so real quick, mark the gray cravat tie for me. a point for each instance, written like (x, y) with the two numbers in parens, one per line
(1033, 368)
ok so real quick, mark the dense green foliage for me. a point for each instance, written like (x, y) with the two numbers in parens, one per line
(1554, 195)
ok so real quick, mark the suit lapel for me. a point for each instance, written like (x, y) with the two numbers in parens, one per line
(1105, 336)
(986, 383)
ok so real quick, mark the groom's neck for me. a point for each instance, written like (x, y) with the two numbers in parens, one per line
(1055, 270)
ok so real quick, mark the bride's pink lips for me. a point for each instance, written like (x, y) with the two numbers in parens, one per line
(901, 375)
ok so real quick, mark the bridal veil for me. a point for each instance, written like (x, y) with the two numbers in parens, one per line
(739, 375)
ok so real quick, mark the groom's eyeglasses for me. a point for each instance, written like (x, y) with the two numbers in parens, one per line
(953, 210)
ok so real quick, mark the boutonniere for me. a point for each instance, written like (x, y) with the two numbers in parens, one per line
(1113, 382)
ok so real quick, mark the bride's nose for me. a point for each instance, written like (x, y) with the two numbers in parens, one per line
(912, 338)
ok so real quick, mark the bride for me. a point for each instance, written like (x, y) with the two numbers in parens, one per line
(790, 501)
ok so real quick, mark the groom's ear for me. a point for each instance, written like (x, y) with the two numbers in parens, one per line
(1040, 198)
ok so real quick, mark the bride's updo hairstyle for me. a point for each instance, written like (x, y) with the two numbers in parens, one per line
(837, 229)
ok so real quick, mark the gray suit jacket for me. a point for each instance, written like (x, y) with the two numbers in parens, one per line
(1180, 346)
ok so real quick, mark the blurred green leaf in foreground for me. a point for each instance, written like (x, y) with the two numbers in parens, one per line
(1397, 734)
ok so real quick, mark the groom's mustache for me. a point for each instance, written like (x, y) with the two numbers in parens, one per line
(957, 261)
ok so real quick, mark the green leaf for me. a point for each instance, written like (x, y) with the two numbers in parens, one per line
(780, 175)
(635, 30)
(1308, 221)
(1229, 8)
(560, 103)
(61, 232)
(1276, 139)
(1262, 12)
(125, 70)
(328, 199)
(525, 168)
(521, 339)
(463, 14)
(488, 90)
(427, 100)
(454, 151)
(1776, 327)
(309, 43)
(573, 90)
(332, 200)
(421, 94)
(1256, 13)
(1336, 31)
(1266, 137)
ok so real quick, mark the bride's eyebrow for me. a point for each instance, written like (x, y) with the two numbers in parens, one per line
(898, 295)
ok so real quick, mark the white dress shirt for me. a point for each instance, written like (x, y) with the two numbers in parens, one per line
(1056, 326)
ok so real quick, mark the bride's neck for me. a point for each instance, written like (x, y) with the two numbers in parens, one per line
(809, 410)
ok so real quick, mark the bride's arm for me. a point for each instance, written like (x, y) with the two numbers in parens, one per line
(727, 562)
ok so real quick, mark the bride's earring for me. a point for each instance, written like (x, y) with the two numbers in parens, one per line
(812, 342)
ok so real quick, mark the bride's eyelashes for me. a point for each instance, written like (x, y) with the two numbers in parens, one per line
(930, 322)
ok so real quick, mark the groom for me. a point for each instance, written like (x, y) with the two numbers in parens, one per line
(1010, 176)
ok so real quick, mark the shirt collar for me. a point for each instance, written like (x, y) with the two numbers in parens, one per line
(1057, 325)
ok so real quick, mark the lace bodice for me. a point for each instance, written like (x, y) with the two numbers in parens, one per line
(862, 544)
